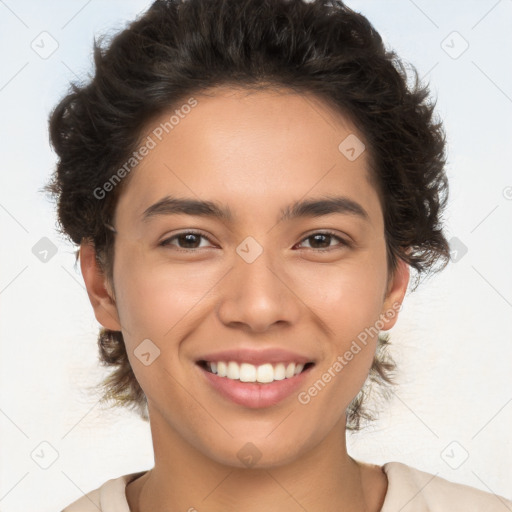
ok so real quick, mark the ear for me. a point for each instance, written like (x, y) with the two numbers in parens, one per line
(397, 287)
(98, 288)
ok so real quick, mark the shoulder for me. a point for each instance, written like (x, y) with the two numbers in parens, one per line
(412, 490)
(109, 497)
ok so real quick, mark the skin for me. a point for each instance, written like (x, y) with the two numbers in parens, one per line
(255, 153)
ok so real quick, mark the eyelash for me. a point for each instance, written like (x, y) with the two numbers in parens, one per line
(166, 242)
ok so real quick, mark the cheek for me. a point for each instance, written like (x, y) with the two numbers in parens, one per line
(347, 296)
(347, 299)
(155, 299)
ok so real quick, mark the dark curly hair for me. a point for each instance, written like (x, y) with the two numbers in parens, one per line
(180, 48)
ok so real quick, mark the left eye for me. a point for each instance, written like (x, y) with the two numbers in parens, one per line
(321, 237)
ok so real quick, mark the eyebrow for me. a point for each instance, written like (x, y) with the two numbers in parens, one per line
(307, 208)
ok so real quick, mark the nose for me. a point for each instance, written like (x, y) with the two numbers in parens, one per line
(258, 296)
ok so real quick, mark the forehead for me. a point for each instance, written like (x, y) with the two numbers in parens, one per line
(250, 148)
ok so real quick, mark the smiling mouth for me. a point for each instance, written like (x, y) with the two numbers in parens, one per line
(245, 372)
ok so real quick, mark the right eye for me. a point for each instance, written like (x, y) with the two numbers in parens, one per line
(189, 239)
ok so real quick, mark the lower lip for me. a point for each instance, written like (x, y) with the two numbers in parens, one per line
(255, 395)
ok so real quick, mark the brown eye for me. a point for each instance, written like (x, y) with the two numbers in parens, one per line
(187, 240)
(322, 240)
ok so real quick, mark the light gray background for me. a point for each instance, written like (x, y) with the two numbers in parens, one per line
(453, 340)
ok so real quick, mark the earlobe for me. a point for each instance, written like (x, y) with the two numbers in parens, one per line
(100, 296)
(395, 295)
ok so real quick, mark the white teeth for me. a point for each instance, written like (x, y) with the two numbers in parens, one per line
(265, 373)
(246, 372)
(221, 369)
(233, 371)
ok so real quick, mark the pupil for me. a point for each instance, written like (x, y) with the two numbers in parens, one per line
(316, 237)
(187, 240)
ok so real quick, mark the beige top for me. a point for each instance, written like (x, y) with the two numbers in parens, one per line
(409, 490)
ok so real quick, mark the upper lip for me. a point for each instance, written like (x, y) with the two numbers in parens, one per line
(257, 357)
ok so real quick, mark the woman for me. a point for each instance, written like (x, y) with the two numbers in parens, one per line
(250, 184)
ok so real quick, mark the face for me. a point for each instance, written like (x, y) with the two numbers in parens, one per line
(265, 275)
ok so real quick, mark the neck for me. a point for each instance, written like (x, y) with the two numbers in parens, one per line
(323, 479)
